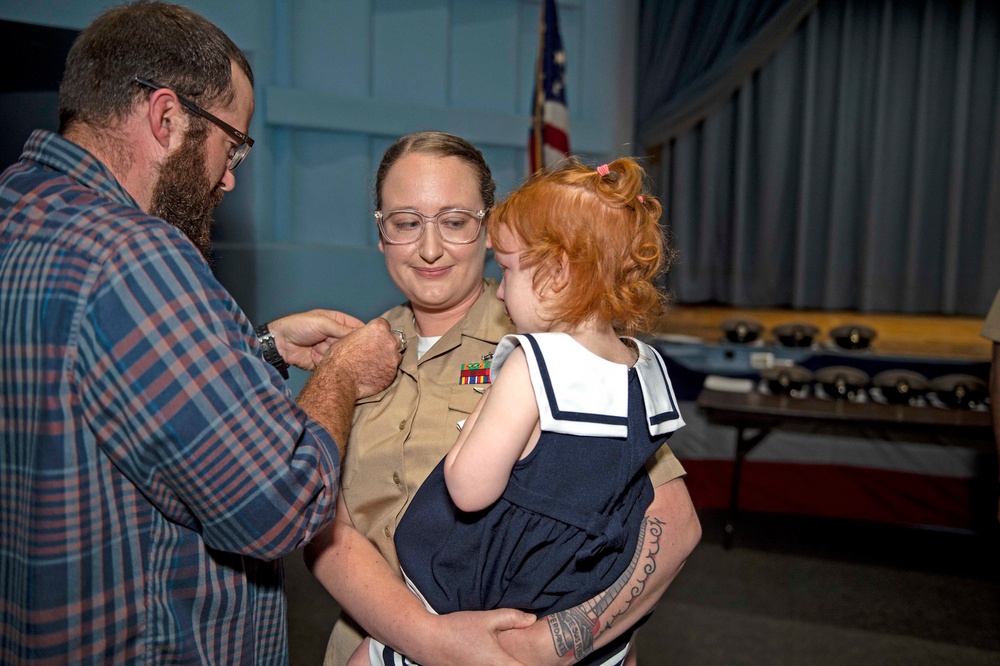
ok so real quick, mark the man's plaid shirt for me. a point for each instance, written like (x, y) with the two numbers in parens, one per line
(153, 469)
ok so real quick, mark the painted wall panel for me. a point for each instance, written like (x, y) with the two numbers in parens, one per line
(331, 46)
(304, 109)
(350, 280)
(328, 183)
(507, 165)
(240, 21)
(338, 80)
(410, 50)
(485, 43)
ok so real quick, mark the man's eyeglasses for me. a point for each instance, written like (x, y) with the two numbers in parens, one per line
(243, 141)
(402, 227)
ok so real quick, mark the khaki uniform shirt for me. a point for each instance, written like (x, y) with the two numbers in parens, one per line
(402, 433)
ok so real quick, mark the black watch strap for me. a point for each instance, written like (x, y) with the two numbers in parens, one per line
(270, 349)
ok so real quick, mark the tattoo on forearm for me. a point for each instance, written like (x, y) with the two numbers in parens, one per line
(577, 628)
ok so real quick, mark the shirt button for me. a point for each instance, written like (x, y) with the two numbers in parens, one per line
(402, 424)
(387, 530)
(395, 478)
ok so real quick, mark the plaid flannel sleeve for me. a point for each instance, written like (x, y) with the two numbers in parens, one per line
(186, 408)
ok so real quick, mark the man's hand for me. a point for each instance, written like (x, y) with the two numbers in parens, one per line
(471, 637)
(370, 355)
(360, 364)
(304, 338)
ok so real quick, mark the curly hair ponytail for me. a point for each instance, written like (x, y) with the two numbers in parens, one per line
(609, 229)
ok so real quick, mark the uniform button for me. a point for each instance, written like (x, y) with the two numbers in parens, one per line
(402, 424)
(395, 478)
(387, 530)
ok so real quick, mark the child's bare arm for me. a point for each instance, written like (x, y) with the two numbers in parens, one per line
(499, 431)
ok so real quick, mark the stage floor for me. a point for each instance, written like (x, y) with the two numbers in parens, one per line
(944, 337)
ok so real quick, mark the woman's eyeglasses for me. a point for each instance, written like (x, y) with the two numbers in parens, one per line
(402, 227)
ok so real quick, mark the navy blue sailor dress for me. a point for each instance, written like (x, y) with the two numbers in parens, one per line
(566, 526)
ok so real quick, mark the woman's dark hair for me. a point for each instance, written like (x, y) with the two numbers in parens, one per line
(441, 145)
(158, 41)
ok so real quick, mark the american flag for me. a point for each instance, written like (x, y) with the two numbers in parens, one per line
(549, 140)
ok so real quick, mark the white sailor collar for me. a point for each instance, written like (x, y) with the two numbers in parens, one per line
(580, 393)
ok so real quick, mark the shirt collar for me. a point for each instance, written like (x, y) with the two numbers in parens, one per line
(484, 321)
(57, 152)
(581, 393)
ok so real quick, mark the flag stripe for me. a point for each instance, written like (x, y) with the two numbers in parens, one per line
(548, 140)
(556, 138)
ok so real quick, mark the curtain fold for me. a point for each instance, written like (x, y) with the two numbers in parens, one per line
(854, 167)
(693, 55)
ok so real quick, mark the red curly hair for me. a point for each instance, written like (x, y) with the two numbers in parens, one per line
(609, 230)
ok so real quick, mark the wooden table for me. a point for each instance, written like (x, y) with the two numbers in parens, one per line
(761, 413)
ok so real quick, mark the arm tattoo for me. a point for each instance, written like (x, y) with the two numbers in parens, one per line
(577, 628)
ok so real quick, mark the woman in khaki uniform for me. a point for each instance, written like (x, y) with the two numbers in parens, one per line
(452, 320)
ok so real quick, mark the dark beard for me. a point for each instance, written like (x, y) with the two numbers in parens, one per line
(183, 196)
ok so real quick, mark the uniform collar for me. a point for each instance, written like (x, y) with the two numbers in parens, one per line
(485, 321)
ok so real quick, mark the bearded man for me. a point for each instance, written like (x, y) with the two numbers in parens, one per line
(154, 467)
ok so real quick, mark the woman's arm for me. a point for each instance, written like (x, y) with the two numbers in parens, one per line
(502, 428)
(669, 533)
(358, 577)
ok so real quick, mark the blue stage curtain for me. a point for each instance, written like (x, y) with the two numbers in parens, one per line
(839, 154)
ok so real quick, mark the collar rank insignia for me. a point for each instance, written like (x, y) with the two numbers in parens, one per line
(476, 373)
